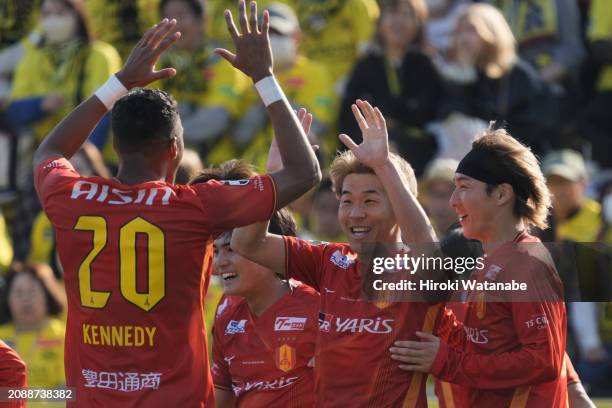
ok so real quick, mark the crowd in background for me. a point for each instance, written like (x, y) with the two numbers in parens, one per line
(439, 70)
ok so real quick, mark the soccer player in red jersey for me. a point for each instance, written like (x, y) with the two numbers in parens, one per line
(377, 192)
(265, 326)
(136, 249)
(12, 373)
(509, 351)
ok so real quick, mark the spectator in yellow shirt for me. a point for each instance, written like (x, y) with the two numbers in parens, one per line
(306, 84)
(121, 22)
(208, 90)
(60, 71)
(35, 300)
(336, 33)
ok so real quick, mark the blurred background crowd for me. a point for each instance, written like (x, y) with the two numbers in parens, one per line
(440, 71)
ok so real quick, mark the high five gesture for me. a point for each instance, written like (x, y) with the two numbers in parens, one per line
(253, 53)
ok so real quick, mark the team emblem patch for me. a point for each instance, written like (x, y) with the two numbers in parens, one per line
(285, 357)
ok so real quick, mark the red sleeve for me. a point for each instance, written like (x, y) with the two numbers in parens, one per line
(572, 375)
(50, 175)
(12, 373)
(220, 370)
(540, 328)
(304, 261)
(450, 329)
(235, 203)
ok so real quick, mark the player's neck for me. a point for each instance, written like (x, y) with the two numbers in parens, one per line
(137, 169)
(266, 296)
(501, 232)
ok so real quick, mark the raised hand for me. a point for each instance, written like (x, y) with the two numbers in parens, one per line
(274, 159)
(374, 150)
(139, 69)
(253, 53)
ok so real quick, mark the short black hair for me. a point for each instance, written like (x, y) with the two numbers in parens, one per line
(281, 223)
(143, 116)
(198, 7)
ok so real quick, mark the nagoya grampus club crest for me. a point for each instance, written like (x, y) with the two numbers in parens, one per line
(285, 357)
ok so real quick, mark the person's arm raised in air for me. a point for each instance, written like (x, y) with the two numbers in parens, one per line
(374, 153)
(254, 241)
(139, 70)
(254, 57)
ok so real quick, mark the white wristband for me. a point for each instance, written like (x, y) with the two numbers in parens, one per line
(269, 90)
(112, 90)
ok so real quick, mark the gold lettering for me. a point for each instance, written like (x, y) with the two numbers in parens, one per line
(127, 335)
(138, 336)
(105, 336)
(94, 335)
(117, 336)
(151, 333)
(86, 339)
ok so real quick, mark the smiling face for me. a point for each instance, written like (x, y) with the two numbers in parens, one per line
(475, 208)
(240, 276)
(365, 213)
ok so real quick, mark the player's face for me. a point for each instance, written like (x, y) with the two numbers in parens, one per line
(475, 208)
(365, 212)
(27, 300)
(398, 26)
(240, 276)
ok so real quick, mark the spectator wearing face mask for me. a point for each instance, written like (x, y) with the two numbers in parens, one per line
(306, 84)
(60, 71)
(18, 20)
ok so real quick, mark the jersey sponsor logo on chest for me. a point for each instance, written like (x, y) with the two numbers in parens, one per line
(236, 326)
(328, 323)
(289, 323)
(102, 193)
(476, 335)
(240, 387)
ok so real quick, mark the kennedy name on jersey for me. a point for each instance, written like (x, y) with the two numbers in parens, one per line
(88, 190)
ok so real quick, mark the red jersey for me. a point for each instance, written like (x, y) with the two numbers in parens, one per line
(263, 359)
(507, 353)
(12, 373)
(353, 365)
(136, 268)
